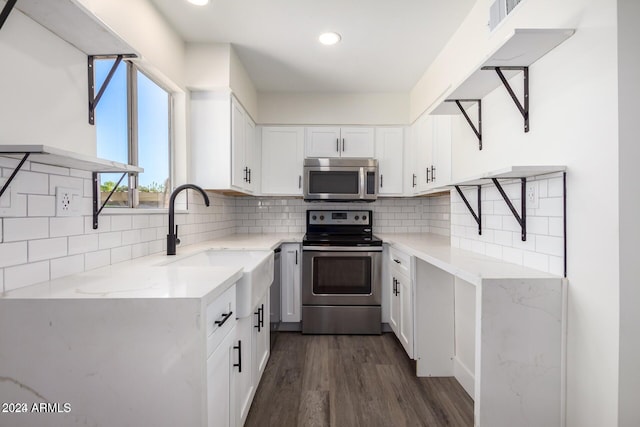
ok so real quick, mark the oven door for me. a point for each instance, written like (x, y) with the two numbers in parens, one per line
(341, 276)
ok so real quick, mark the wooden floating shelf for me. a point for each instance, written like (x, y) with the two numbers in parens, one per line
(522, 48)
(63, 158)
(74, 23)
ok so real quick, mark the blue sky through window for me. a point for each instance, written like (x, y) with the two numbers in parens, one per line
(153, 124)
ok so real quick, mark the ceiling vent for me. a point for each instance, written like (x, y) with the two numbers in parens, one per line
(499, 10)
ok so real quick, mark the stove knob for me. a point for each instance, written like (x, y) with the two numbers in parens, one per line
(321, 217)
(314, 217)
(364, 217)
(357, 217)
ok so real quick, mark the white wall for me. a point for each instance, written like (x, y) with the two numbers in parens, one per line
(207, 65)
(242, 86)
(629, 199)
(573, 96)
(43, 89)
(333, 108)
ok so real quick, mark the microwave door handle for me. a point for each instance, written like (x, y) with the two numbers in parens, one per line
(363, 183)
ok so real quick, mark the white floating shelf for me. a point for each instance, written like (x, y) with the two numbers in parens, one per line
(522, 48)
(68, 159)
(513, 172)
(73, 22)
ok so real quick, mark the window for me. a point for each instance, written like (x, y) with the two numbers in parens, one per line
(133, 126)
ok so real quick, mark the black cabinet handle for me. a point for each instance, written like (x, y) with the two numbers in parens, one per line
(397, 261)
(249, 181)
(239, 348)
(414, 180)
(338, 145)
(394, 285)
(225, 317)
(258, 325)
(397, 290)
(343, 144)
(246, 174)
(433, 173)
(380, 180)
(299, 181)
(296, 257)
(262, 315)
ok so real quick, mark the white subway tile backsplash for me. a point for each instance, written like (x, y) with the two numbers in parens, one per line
(536, 260)
(97, 259)
(119, 254)
(121, 222)
(556, 227)
(550, 207)
(56, 181)
(15, 229)
(83, 243)
(49, 170)
(66, 266)
(550, 245)
(512, 255)
(66, 226)
(38, 205)
(13, 254)
(47, 248)
(109, 240)
(31, 183)
(25, 275)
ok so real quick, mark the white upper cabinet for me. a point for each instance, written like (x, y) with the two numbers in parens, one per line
(339, 142)
(428, 154)
(389, 152)
(282, 158)
(225, 154)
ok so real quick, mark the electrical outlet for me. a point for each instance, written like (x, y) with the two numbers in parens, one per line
(68, 201)
(532, 195)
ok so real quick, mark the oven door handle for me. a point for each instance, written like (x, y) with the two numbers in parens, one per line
(342, 248)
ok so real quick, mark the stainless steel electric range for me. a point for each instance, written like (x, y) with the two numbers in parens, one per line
(341, 273)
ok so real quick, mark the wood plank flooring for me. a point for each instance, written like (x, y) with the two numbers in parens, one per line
(351, 380)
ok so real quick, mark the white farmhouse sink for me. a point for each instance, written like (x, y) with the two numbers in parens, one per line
(256, 278)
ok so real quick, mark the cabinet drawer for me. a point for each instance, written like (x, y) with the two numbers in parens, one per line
(400, 260)
(221, 318)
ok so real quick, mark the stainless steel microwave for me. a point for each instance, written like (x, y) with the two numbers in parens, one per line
(340, 180)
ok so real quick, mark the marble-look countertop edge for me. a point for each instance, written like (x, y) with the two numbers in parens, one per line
(468, 266)
(155, 266)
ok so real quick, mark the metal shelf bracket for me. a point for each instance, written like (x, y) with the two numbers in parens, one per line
(93, 97)
(478, 217)
(476, 130)
(522, 219)
(523, 108)
(6, 10)
(14, 173)
(96, 196)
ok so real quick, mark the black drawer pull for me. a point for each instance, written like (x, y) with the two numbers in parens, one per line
(239, 348)
(224, 318)
(397, 261)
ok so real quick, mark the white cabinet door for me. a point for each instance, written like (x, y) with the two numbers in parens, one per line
(282, 158)
(424, 152)
(261, 333)
(390, 152)
(291, 304)
(251, 155)
(405, 296)
(239, 169)
(410, 176)
(357, 142)
(394, 306)
(442, 151)
(322, 142)
(220, 383)
(244, 385)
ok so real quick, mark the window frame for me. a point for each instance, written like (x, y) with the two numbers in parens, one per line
(133, 196)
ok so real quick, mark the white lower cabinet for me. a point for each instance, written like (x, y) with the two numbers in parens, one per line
(221, 374)
(253, 335)
(401, 298)
(291, 303)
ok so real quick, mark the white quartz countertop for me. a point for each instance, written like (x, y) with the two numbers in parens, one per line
(468, 266)
(153, 277)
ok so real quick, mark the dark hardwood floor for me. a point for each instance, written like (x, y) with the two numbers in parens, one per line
(350, 380)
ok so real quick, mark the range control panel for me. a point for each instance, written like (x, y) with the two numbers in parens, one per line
(328, 217)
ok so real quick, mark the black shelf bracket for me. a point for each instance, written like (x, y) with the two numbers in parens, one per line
(94, 98)
(476, 130)
(14, 173)
(6, 10)
(524, 107)
(96, 196)
(522, 219)
(478, 217)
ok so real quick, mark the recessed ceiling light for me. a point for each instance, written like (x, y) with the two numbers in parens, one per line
(199, 2)
(329, 38)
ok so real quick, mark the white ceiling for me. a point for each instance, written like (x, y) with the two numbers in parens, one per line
(386, 44)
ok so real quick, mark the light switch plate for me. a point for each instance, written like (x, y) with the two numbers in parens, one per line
(68, 201)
